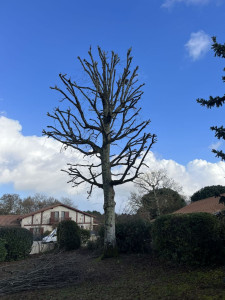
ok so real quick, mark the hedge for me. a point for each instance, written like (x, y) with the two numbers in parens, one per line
(194, 239)
(18, 242)
(3, 251)
(132, 236)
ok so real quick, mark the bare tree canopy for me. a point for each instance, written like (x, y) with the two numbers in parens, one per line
(12, 204)
(157, 179)
(102, 121)
(158, 194)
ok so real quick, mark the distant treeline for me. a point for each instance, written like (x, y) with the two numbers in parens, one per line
(12, 204)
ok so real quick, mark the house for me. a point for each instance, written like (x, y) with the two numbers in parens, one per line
(46, 219)
(210, 205)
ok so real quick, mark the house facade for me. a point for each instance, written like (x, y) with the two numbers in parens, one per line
(47, 219)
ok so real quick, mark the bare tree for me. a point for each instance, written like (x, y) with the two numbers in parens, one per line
(102, 122)
(10, 204)
(67, 201)
(152, 182)
(157, 179)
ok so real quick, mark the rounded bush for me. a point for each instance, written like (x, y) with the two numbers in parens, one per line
(68, 235)
(194, 239)
(18, 242)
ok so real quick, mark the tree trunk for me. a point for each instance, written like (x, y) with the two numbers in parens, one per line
(110, 249)
(157, 203)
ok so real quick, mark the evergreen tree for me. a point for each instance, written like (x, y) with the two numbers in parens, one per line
(208, 191)
(217, 101)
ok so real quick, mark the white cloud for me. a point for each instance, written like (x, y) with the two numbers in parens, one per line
(195, 175)
(33, 164)
(170, 3)
(216, 145)
(198, 44)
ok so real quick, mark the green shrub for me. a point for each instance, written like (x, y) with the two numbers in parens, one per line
(92, 245)
(18, 242)
(95, 245)
(194, 239)
(3, 251)
(133, 236)
(68, 235)
(85, 235)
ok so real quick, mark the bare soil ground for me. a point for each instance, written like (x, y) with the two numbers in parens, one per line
(82, 275)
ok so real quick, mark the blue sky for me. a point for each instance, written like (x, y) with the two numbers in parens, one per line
(170, 43)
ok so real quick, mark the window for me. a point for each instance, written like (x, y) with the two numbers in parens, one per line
(56, 215)
(37, 231)
(63, 215)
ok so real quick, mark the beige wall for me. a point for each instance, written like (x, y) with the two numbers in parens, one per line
(43, 219)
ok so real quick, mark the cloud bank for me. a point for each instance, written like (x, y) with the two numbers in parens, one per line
(33, 164)
(198, 44)
(170, 3)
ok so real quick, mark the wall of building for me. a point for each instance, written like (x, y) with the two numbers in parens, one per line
(43, 219)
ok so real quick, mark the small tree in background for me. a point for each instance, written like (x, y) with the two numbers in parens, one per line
(168, 202)
(208, 191)
(158, 194)
(101, 121)
(10, 204)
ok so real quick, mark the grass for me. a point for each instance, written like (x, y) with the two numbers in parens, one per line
(138, 277)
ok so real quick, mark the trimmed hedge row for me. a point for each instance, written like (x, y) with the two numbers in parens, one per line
(132, 236)
(194, 239)
(3, 251)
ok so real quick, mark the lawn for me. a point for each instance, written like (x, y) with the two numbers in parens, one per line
(128, 277)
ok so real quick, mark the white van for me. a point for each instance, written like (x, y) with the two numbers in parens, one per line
(51, 238)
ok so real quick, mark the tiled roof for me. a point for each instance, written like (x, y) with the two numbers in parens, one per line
(10, 220)
(209, 205)
(53, 206)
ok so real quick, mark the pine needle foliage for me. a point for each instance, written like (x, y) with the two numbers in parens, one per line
(218, 101)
